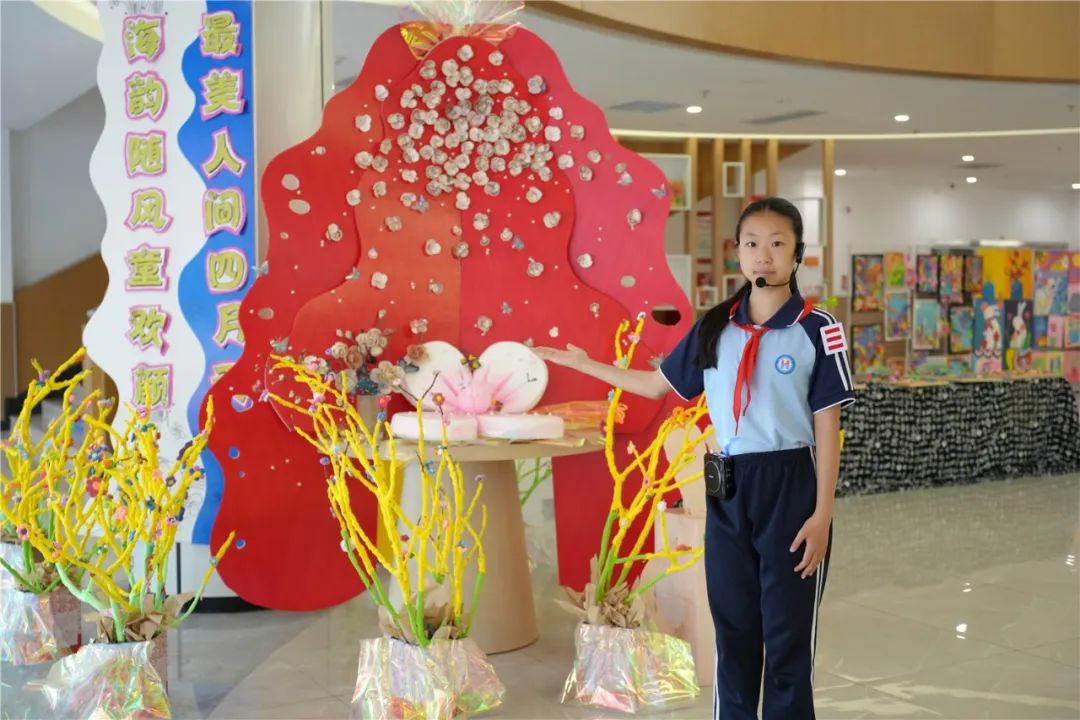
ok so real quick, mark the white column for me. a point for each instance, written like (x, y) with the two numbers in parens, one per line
(291, 86)
(7, 260)
(7, 272)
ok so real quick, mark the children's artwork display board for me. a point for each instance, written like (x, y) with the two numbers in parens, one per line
(962, 311)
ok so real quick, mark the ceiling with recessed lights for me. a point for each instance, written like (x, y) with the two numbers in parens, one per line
(1049, 164)
(646, 85)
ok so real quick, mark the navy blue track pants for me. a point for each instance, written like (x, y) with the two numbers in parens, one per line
(763, 611)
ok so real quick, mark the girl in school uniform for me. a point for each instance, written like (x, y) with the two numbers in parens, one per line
(775, 374)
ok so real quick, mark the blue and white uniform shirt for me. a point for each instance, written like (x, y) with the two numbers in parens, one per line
(801, 369)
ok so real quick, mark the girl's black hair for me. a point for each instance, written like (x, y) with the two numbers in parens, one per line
(714, 321)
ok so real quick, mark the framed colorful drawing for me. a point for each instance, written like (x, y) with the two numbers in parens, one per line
(1072, 331)
(732, 283)
(869, 283)
(897, 315)
(989, 341)
(895, 271)
(1074, 297)
(1052, 282)
(1055, 332)
(928, 364)
(973, 275)
(961, 329)
(1049, 361)
(960, 364)
(1009, 271)
(704, 270)
(1018, 322)
(926, 274)
(951, 279)
(868, 348)
(707, 297)
(731, 257)
(1040, 332)
(927, 324)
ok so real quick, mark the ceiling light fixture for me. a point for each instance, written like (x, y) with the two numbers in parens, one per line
(972, 180)
(968, 158)
(1000, 243)
(840, 172)
(693, 109)
(902, 118)
(1076, 186)
(681, 135)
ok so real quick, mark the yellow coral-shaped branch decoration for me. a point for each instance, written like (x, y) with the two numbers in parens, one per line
(655, 485)
(104, 513)
(438, 545)
(36, 469)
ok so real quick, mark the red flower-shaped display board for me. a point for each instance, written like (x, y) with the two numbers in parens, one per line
(467, 185)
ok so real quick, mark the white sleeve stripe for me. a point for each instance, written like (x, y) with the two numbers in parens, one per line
(847, 368)
(843, 403)
(840, 371)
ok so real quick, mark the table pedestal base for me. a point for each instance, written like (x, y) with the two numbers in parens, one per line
(506, 617)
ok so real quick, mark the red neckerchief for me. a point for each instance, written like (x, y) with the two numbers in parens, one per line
(749, 359)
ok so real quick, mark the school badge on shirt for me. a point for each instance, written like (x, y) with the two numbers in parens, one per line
(832, 337)
(785, 364)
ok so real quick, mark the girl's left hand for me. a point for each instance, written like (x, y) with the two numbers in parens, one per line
(815, 533)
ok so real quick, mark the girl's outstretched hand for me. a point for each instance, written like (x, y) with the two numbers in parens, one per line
(572, 357)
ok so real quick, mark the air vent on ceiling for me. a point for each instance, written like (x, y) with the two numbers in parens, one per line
(977, 166)
(645, 106)
(786, 117)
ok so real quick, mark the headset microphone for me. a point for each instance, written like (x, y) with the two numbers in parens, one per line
(762, 282)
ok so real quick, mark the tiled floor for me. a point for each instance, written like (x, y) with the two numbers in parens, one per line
(949, 603)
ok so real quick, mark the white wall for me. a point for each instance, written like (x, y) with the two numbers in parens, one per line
(7, 271)
(57, 219)
(875, 213)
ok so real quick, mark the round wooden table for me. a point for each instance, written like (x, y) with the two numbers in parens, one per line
(505, 616)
